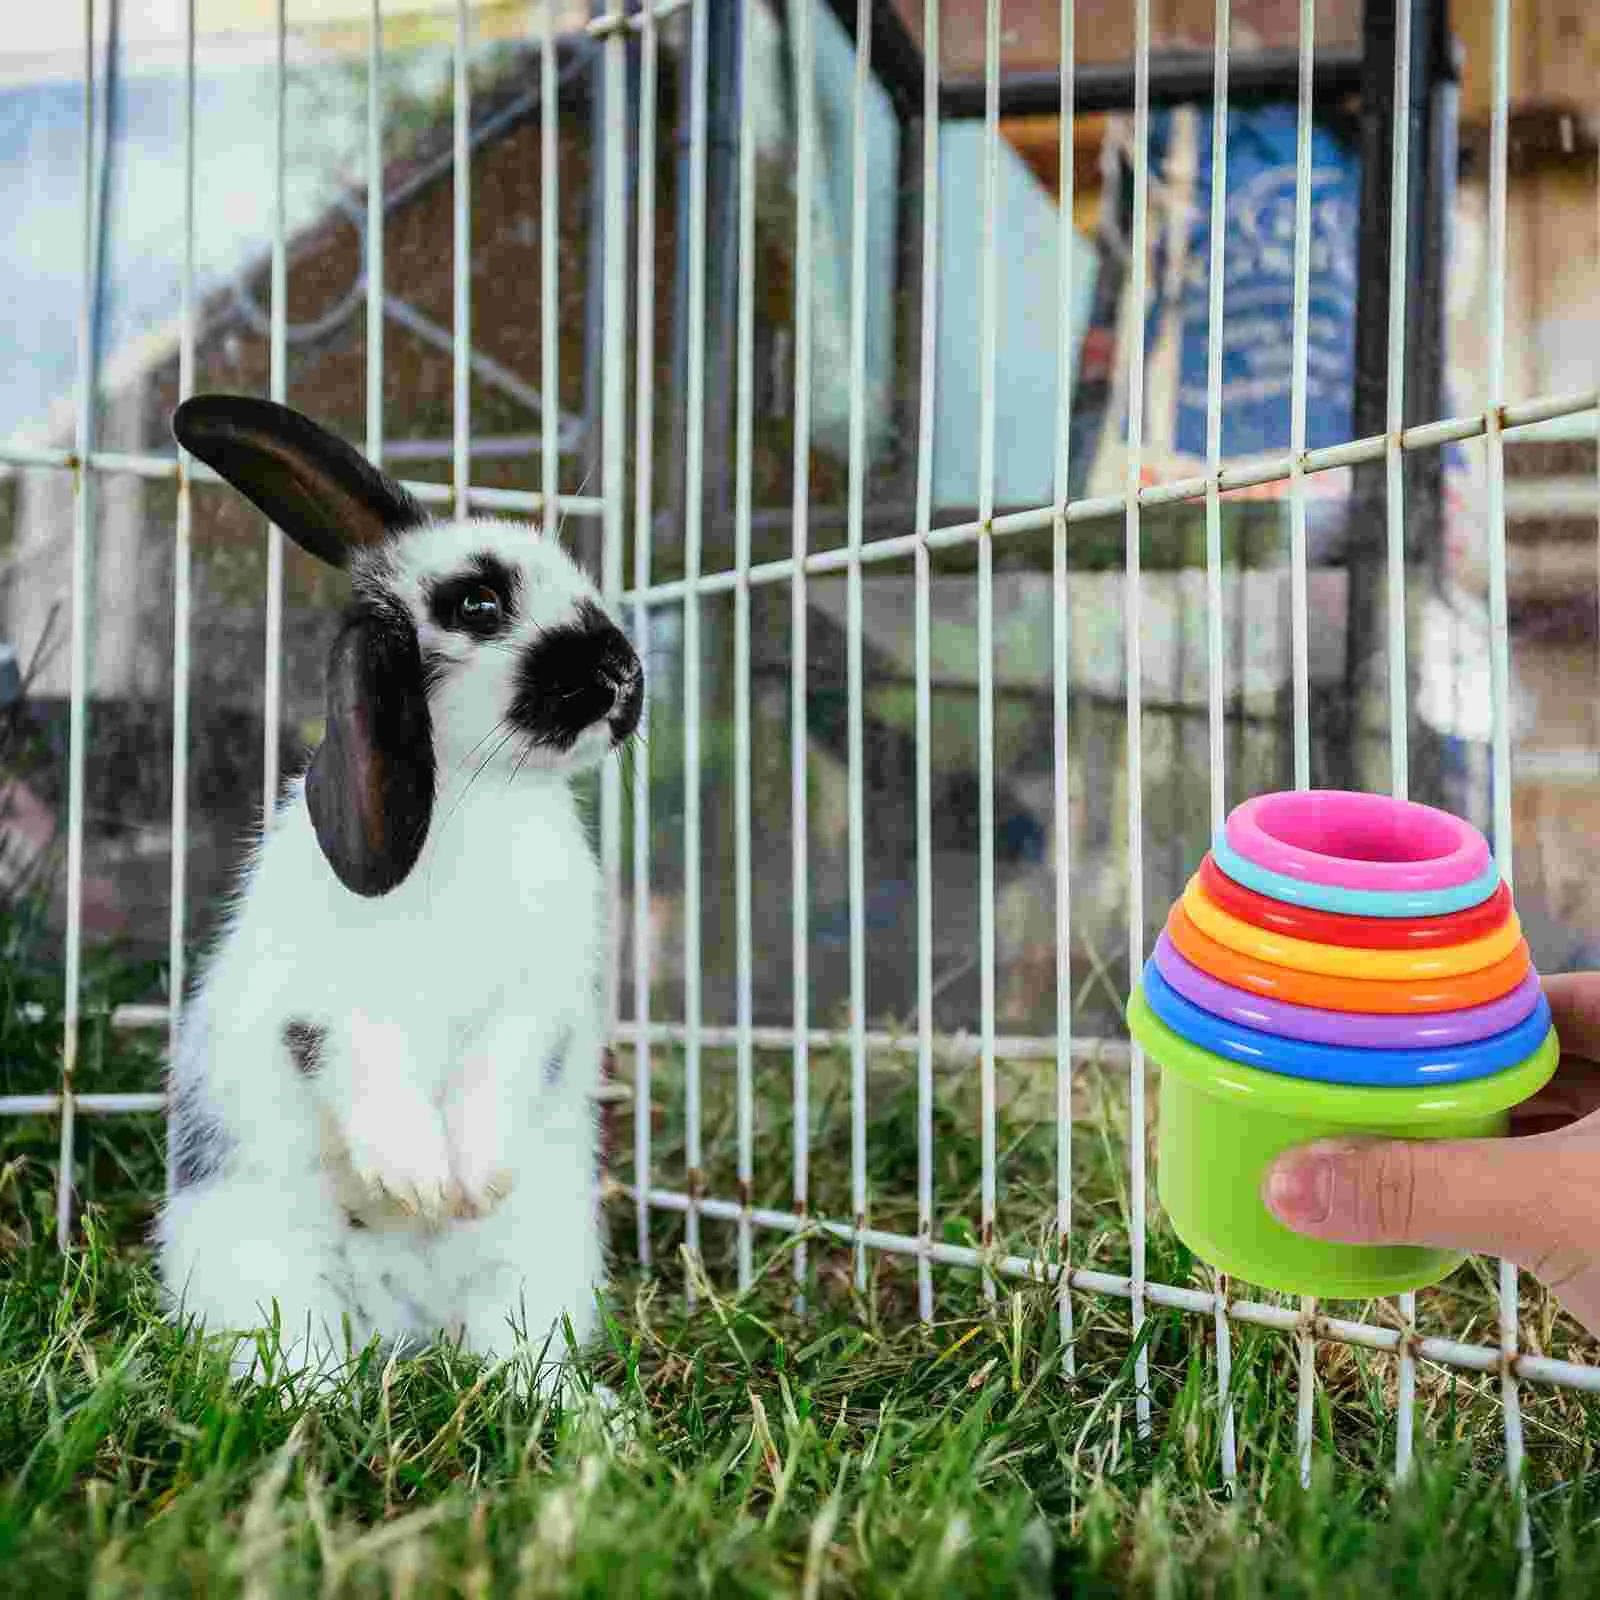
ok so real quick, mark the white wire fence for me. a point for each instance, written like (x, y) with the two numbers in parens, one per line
(628, 198)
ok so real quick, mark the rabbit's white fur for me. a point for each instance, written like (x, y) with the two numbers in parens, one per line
(451, 1108)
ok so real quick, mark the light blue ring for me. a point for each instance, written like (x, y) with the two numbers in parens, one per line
(1327, 1063)
(1353, 902)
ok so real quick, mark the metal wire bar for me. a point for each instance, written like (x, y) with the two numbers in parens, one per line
(549, 214)
(953, 1047)
(46, 1105)
(1215, 663)
(374, 236)
(1394, 481)
(958, 1046)
(1523, 419)
(987, 338)
(278, 389)
(82, 513)
(1138, 296)
(182, 594)
(643, 535)
(1500, 685)
(743, 498)
(461, 269)
(694, 511)
(1213, 494)
(613, 449)
(854, 729)
(925, 415)
(1060, 687)
(1306, 1388)
(1244, 475)
(1394, 492)
(798, 564)
(1035, 1269)
(111, 463)
(1299, 606)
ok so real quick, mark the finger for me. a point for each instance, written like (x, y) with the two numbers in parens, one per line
(1518, 1198)
(1575, 1009)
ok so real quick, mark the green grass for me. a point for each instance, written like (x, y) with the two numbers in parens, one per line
(757, 1450)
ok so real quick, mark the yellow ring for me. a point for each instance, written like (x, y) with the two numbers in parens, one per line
(1346, 961)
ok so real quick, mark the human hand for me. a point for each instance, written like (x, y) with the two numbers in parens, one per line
(1533, 1198)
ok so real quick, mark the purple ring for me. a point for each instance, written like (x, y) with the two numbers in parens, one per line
(1352, 1029)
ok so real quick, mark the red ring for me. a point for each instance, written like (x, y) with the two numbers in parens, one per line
(1362, 933)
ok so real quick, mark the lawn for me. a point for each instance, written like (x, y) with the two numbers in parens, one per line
(758, 1448)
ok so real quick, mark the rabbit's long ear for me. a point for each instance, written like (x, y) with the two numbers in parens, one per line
(326, 496)
(370, 787)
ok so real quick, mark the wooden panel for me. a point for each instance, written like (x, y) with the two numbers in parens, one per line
(1031, 38)
(1555, 55)
(1552, 303)
(1555, 44)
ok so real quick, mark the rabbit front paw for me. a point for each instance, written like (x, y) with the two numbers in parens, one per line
(398, 1154)
(475, 1126)
(480, 1185)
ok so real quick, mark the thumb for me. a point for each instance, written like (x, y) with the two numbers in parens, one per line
(1505, 1197)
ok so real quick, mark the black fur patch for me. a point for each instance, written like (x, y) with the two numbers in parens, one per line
(371, 785)
(305, 1041)
(201, 1142)
(483, 571)
(354, 1223)
(573, 677)
(319, 490)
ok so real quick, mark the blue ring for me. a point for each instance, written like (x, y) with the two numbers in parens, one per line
(1353, 902)
(1377, 1069)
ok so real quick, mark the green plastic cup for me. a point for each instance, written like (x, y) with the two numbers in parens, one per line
(1222, 1125)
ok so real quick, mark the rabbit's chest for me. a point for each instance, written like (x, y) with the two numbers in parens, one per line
(488, 922)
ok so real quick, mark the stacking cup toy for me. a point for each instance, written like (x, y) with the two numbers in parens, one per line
(1342, 964)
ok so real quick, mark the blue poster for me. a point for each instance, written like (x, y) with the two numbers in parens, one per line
(1258, 287)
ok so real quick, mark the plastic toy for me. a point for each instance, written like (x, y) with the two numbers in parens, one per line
(1383, 1067)
(1353, 902)
(1347, 994)
(1342, 964)
(1342, 960)
(1358, 841)
(1223, 1124)
(1367, 933)
(1354, 1029)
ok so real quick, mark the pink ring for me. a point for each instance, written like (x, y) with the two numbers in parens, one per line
(1351, 840)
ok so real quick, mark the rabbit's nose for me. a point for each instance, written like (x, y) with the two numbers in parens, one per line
(624, 677)
(627, 708)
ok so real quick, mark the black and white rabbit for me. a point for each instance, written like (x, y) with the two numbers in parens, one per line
(382, 1086)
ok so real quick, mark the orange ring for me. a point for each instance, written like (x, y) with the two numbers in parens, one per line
(1379, 996)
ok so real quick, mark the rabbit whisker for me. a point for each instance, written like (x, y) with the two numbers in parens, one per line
(527, 751)
(483, 741)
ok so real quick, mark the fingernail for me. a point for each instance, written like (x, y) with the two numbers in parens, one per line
(1300, 1187)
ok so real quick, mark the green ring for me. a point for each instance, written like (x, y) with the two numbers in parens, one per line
(1351, 1104)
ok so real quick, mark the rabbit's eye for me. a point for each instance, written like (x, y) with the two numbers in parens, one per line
(479, 609)
(482, 601)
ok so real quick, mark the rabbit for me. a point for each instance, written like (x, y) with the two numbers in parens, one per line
(382, 1086)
